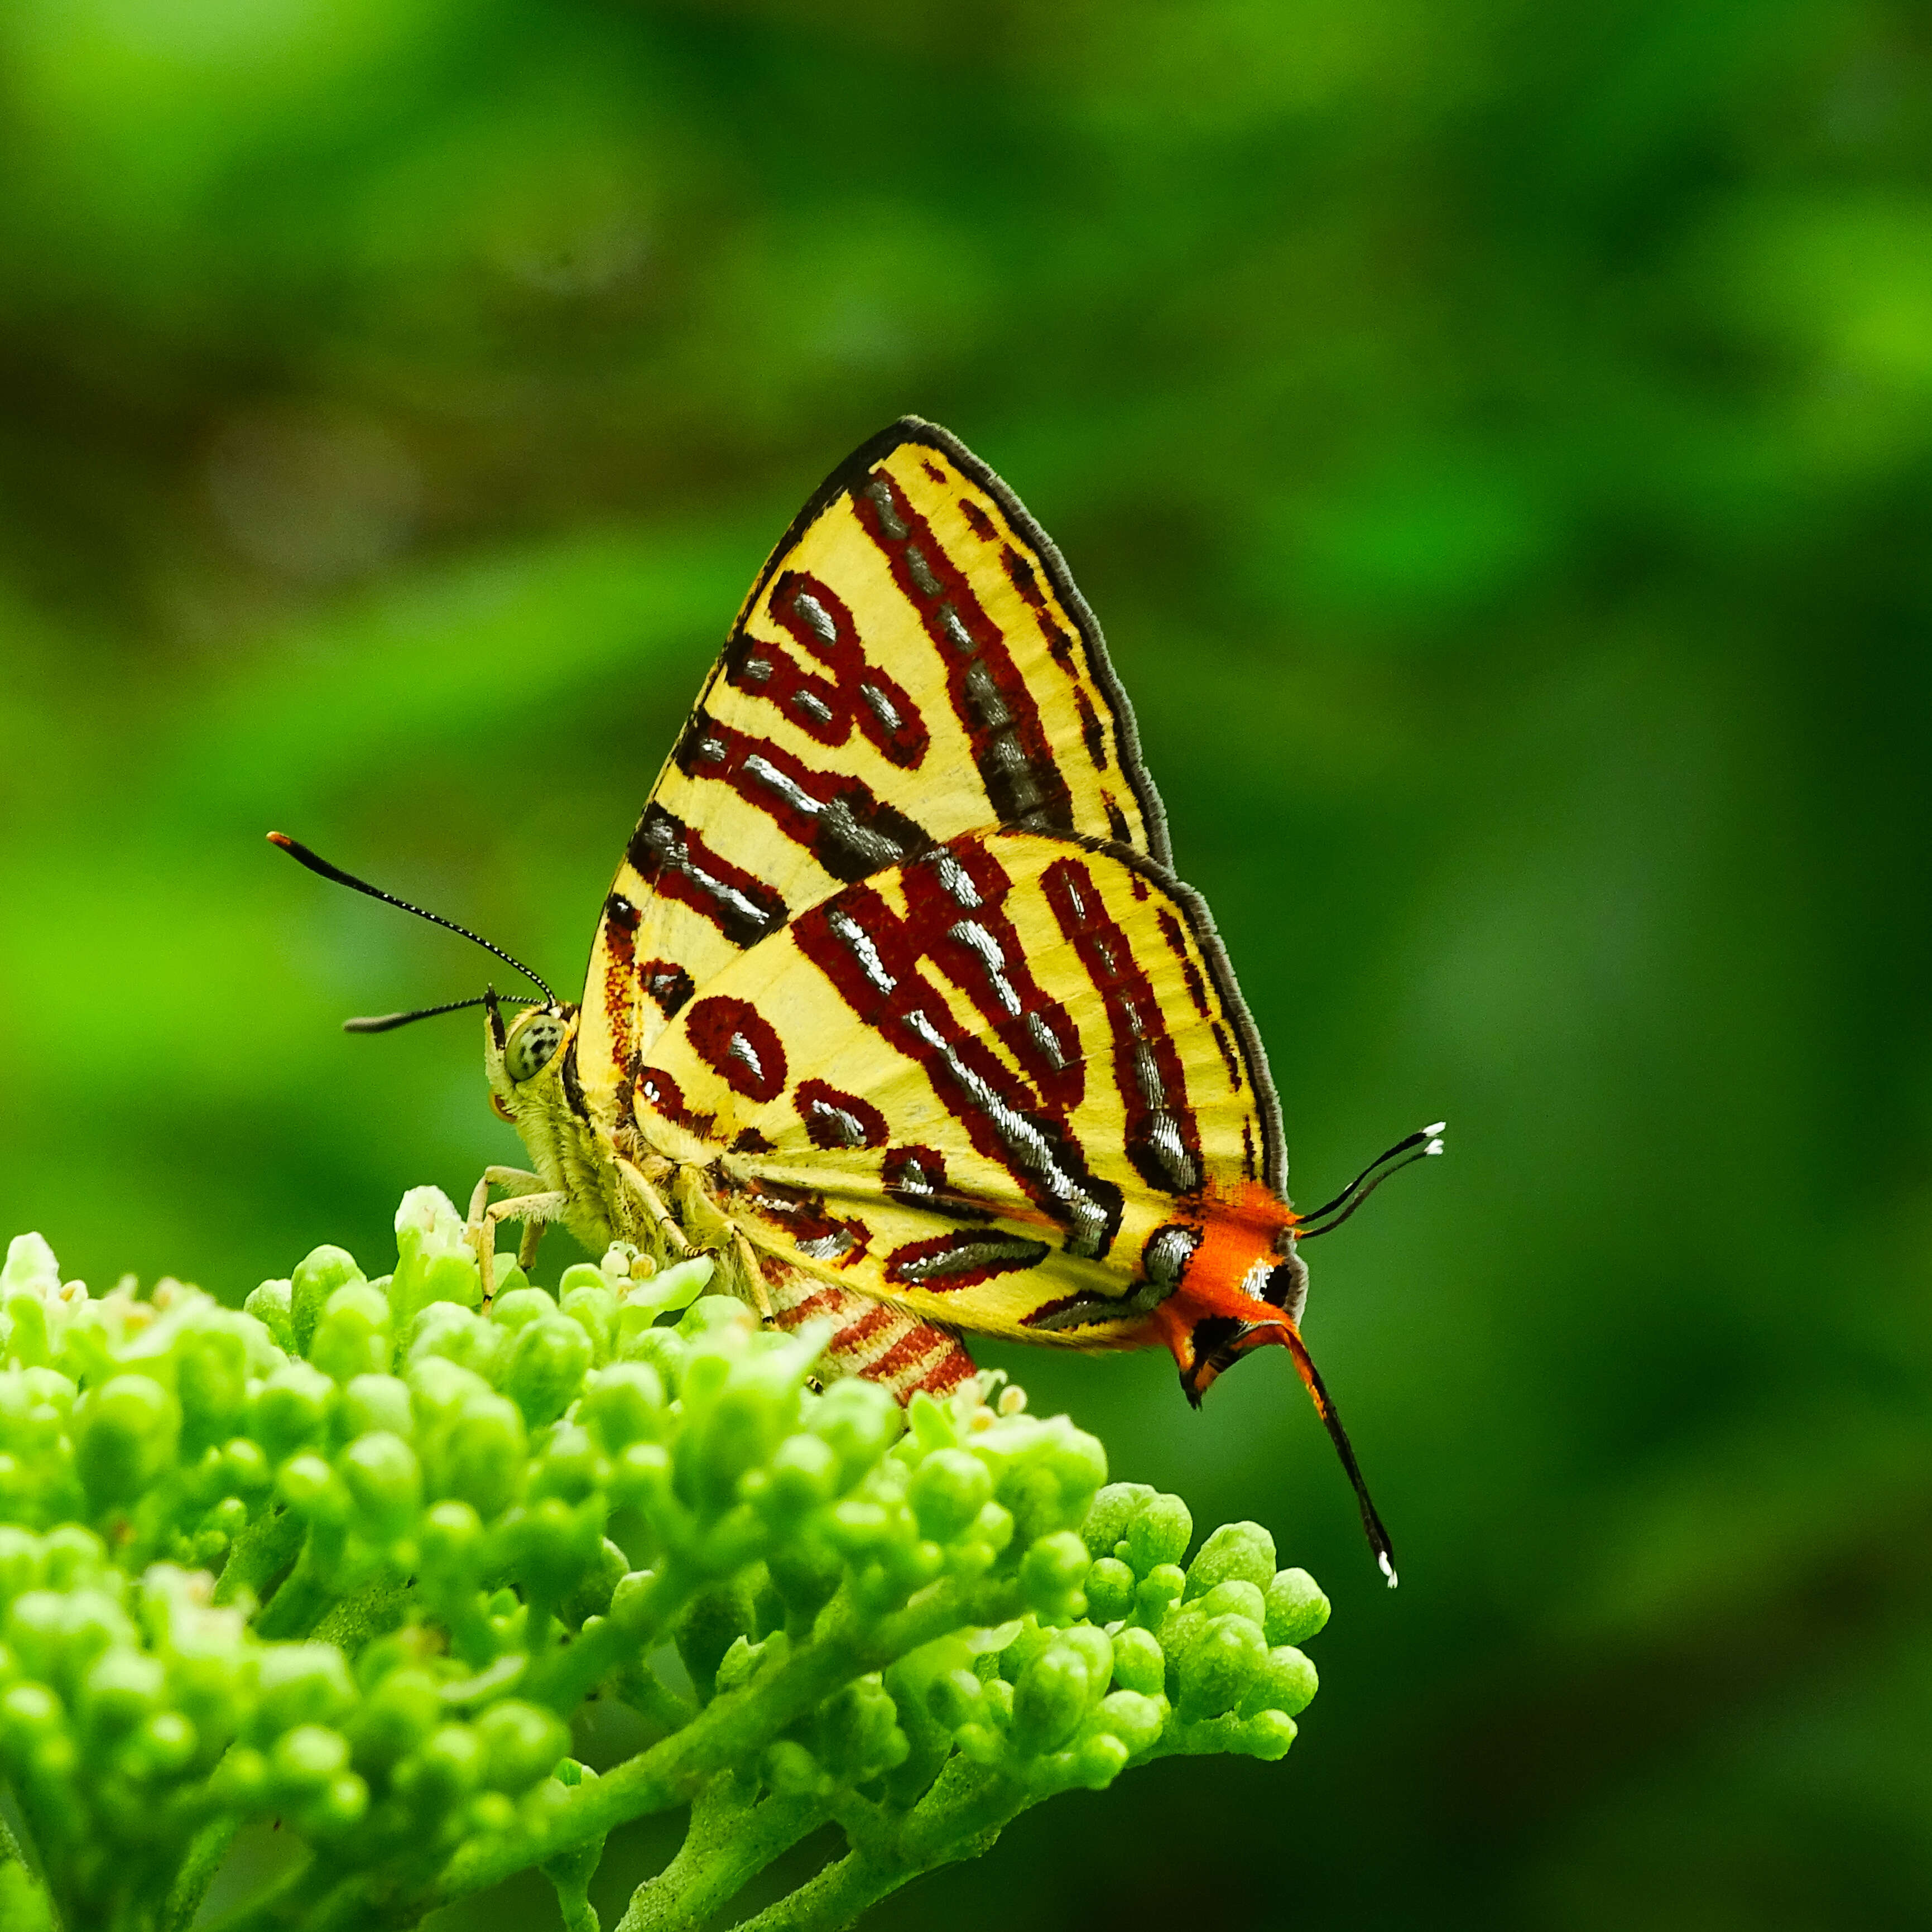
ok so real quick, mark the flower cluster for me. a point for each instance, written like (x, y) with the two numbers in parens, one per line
(354, 1557)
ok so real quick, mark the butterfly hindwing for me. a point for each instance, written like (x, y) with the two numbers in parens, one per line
(914, 662)
(988, 1084)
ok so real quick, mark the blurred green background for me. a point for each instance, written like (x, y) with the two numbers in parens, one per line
(1497, 440)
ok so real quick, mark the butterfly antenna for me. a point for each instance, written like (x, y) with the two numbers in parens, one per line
(1419, 1145)
(388, 1022)
(1378, 1538)
(319, 865)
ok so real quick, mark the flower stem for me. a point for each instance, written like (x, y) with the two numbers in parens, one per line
(732, 1839)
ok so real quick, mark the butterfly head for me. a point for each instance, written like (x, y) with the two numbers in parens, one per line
(527, 1059)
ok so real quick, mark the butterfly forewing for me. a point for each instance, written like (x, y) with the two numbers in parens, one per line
(912, 663)
(993, 1085)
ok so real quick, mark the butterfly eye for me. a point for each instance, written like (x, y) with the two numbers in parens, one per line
(533, 1046)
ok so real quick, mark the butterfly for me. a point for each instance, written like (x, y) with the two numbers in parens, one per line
(895, 1006)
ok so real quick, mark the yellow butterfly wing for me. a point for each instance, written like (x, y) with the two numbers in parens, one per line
(912, 662)
(993, 1086)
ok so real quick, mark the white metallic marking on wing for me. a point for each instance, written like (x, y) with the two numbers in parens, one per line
(957, 881)
(883, 708)
(863, 950)
(815, 614)
(1021, 1135)
(972, 935)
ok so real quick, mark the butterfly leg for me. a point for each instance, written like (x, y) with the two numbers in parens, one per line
(533, 1210)
(716, 1230)
(659, 1221)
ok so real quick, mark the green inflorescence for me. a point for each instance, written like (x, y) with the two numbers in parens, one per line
(353, 1559)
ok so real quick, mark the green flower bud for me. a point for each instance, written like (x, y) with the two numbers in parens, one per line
(803, 1473)
(312, 1490)
(1218, 1666)
(352, 1337)
(521, 1742)
(631, 1609)
(320, 1275)
(127, 1432)
(516, 1310)
(445, 1332)
(997, 1694)
(489, 1815)
(571, 1466)
(122, 1686)
(71, 1555)
(483, 1455)
(1135, 1718)
(546, 1366)
(859, 1420)
(307, 1757)
(551, 1546)
(298, 1684)
(1285, 1682)
(245, 1468)
(1047, 1472)
(1138, 1662)
(593, 1307)
(955, 1697)
(1051, 1573)
(596, 1584)
(732, 1432)
(54, 1634)
(380, 1470)
(292, 1410)
(240, 1781)
(449, 1543)
(1032, 1639)
(1098, 1759)
(623, 1404)
(712, 1621)
(1112, 1509)
(1159, 1535)
(20, 1560)
(1267, 1736)
(790, 1770)
(435, 1267)
(641, 1476)
(1049, 1700)
(338, 1808)
(663, 1350)
(1296, 1609)
(30, 1713)
(805, 1571)
(272, 1305)
(446, 1769)
(211, 1377)
(375, 1402)
(1096, 1651)
(1235, 1597)
(1237, 1552)
(1160, 1588)
(163, 1746)
(1109, 1588)
(396, 1717)
(949, 1489)
(857, 1734)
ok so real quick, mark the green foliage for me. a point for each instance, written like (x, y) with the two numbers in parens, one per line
(352, 1559)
